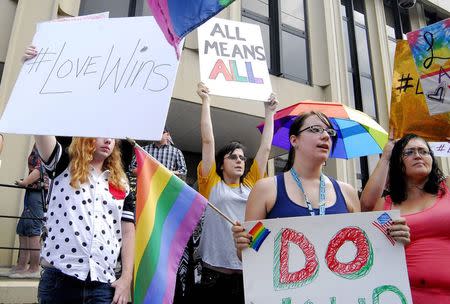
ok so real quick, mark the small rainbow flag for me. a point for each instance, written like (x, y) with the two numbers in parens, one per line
(177, 18)
(167, 211)
(259, 234)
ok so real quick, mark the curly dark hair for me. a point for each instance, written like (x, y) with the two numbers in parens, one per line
(220, 155)
(297, 124)
(397, 178)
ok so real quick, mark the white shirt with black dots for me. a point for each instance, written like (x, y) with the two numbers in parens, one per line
(84, 225)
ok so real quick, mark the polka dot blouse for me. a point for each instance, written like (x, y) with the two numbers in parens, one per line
(84, 225)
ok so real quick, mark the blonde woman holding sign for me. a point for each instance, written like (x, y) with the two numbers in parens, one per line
(90, 220)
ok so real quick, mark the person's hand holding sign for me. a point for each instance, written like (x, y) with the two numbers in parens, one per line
(30, 52)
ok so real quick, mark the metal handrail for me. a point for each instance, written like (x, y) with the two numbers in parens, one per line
(16, 186)
(20, 217)
(19, 248)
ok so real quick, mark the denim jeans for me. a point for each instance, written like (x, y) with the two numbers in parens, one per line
(32, 208)
(57, 287)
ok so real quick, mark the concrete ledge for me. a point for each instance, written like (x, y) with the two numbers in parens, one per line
(23, 291)
(18, 291)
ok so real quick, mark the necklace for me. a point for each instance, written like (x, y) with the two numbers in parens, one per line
(322, 209)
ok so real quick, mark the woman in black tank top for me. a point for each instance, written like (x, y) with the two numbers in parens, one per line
(308, 191)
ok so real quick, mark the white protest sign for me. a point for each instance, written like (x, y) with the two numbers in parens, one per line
(345, 258)
(103, 15)
(441, 149)
(94, 78)
(232, 59)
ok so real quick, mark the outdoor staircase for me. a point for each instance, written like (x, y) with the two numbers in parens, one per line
(23, 291)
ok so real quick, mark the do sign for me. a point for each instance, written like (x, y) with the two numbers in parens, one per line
(346, 258)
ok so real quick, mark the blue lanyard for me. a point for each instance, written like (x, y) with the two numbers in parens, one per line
(322, 209)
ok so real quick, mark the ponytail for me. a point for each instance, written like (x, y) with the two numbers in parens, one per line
(290, 160)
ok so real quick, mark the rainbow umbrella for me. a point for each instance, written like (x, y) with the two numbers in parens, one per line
(358, 134)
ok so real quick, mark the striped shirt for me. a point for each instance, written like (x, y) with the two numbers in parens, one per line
(168, 155)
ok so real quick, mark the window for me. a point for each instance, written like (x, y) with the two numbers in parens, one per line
(432, 16)
(116, 8)
(391, 23)
(359, 69)
(284, 34)
(358, 57)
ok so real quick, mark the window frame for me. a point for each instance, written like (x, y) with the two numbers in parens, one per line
(354, 70)
(432, 16)
(276, 28)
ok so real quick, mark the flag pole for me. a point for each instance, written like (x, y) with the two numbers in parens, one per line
(134, 143)
(221, 213)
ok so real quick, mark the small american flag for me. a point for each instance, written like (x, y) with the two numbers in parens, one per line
(383, 222)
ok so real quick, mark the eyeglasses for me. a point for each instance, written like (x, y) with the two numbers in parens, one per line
(412, 151)
(235, 157)
(319, 130)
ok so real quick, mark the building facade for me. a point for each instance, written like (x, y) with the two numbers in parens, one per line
(327, 50)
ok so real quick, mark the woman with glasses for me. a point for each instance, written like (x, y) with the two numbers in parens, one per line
(222, 179)
(417, 188)
(302, 190)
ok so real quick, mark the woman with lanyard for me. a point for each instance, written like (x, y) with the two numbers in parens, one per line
(303, 190)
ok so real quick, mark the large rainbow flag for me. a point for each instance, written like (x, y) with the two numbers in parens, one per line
(177, 18)
(167, 211)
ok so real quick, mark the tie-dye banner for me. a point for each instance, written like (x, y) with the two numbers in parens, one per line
(409, 111)
(430, 47)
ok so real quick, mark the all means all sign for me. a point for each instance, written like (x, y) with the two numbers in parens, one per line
(232, 59)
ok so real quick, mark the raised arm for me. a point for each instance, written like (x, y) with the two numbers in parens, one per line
(262, 156)
(208, 150)
(372, 192)
(45, 146)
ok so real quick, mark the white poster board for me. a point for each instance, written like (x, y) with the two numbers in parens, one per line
(441, 149)
(327, 259)
(94, 78)
(233, 60)
(103, 15)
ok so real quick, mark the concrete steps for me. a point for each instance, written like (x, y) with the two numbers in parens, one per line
(23, 291)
